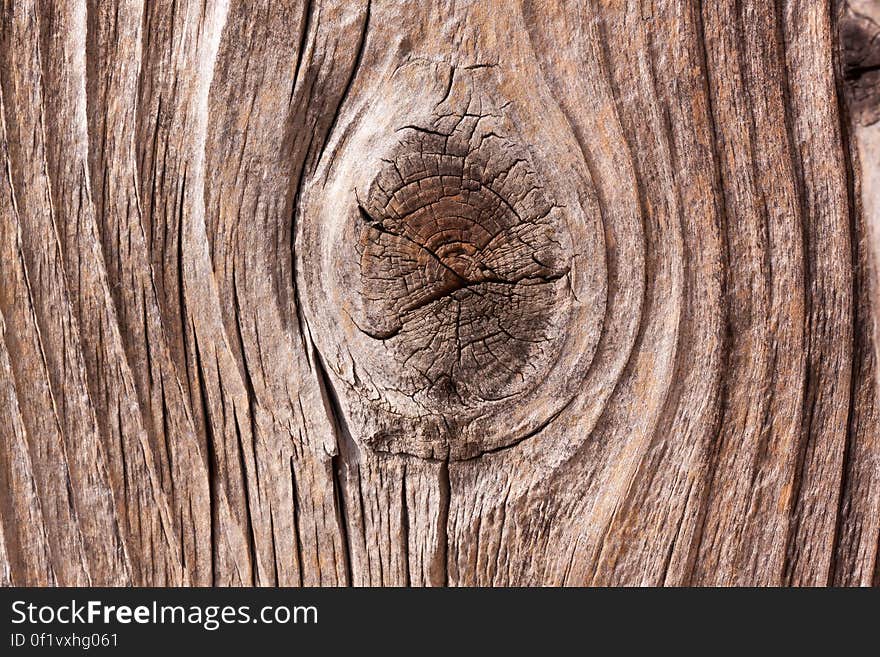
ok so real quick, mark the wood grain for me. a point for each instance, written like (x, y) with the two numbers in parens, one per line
(320, 292)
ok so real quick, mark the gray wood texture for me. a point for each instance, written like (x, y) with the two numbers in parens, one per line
(398, 292)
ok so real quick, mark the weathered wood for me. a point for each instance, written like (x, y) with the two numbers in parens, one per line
(320, 292)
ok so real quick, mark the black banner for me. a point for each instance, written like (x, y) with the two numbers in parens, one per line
(131, 621)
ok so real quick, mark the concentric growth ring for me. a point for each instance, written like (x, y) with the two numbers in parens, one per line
(462, 267)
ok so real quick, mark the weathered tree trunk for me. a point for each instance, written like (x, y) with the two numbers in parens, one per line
(473, 293)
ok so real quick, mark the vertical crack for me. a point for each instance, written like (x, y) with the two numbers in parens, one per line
(343, 438)
(210, 457)
(341, 516)
(296, 503)
(404, 527)
(443, 520)
(252, 544)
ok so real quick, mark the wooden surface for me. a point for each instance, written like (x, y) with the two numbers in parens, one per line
(438, 293)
